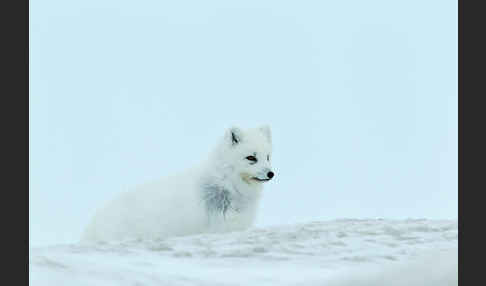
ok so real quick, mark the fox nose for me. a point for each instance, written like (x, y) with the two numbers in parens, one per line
(270, 175)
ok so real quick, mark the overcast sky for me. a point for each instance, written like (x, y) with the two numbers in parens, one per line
(361, 97)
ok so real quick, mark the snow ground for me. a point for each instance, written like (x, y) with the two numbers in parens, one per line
(333, 253)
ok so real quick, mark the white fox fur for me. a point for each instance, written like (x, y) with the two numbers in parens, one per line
(221, 194)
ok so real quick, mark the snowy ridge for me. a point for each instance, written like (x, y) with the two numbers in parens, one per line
(341, 252)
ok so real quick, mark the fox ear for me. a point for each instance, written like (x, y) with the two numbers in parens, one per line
(234, 135)
(265, 129)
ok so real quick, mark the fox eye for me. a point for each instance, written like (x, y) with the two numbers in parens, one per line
(251, 158)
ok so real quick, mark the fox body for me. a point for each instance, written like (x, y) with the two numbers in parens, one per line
(221, 194)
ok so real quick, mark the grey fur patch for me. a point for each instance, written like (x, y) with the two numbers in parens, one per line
(217, 199)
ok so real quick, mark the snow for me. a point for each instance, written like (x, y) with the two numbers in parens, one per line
(334, 253)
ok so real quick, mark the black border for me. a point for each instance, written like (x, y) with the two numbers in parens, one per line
(471, 168)
(460, 113)
(14, 20)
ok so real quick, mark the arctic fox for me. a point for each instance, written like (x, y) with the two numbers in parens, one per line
(220, 194)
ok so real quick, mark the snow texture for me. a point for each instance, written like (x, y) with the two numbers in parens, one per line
(333, 253)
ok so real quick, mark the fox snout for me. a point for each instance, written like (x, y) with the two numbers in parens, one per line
(264, 176)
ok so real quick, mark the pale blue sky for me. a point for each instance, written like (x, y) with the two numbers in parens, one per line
(361, 97)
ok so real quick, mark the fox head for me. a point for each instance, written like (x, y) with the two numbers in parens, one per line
(248, 153)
